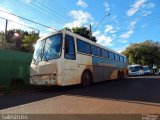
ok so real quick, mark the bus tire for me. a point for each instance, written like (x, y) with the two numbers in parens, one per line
(122, 75)
(86, 79)
(119, 75)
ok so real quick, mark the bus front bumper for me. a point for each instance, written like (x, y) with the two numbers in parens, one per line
(43, 80)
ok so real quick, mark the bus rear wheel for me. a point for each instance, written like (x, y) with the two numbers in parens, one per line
(86, 79)
(120, 75)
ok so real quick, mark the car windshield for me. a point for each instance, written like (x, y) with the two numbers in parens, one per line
(49, 48)
(146, 68)
(134, 69)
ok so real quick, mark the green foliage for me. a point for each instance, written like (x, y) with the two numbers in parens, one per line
(28, 42)
(82, 31)
(22, 40)
(66, 28)
(11, 38)
(145, 53)
(2, 40)
(2, 37)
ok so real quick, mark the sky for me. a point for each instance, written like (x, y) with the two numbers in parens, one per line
(115, 23)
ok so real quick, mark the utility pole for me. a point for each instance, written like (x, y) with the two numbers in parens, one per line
(6, 29)
(90, 29)
(38, 33)
(101, 21)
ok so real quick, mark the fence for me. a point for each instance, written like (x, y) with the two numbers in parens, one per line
(14, 65)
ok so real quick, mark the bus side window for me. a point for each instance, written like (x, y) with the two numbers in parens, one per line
(111, 56)
(69, 48)
(99, 52)
(125, 59)
(121, 58)
(117, 57)
(83, 47)
(103, 52)
(96, 51)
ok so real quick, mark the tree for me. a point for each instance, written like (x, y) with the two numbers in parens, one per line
(82, 31)
(2, 40)
(14, 34)
(28, 42)
(145, 53)
(22, 40)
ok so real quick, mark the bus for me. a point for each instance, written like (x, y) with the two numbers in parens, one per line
(65, 58)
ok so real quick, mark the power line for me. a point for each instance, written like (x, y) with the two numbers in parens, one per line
(42, 11)
(39, 10)
(57, 3)
(52, 2)
(60, 9)
(28, 20)
(51, 10)
(20, 24)
(27, 5)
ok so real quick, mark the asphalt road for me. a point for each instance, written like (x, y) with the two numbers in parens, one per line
(140, 94)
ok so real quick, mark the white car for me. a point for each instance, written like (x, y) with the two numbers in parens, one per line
(135, 70)
(147, 70)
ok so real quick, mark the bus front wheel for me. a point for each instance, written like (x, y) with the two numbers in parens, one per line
(86, 78)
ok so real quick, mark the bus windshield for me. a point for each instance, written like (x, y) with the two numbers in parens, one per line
(48, 49)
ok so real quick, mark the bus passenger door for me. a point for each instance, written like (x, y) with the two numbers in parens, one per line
(70, 64)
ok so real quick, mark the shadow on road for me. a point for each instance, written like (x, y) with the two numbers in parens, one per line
(15, 99)
(140, 89)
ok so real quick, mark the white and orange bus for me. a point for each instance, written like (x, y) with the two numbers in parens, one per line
(65, 58)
